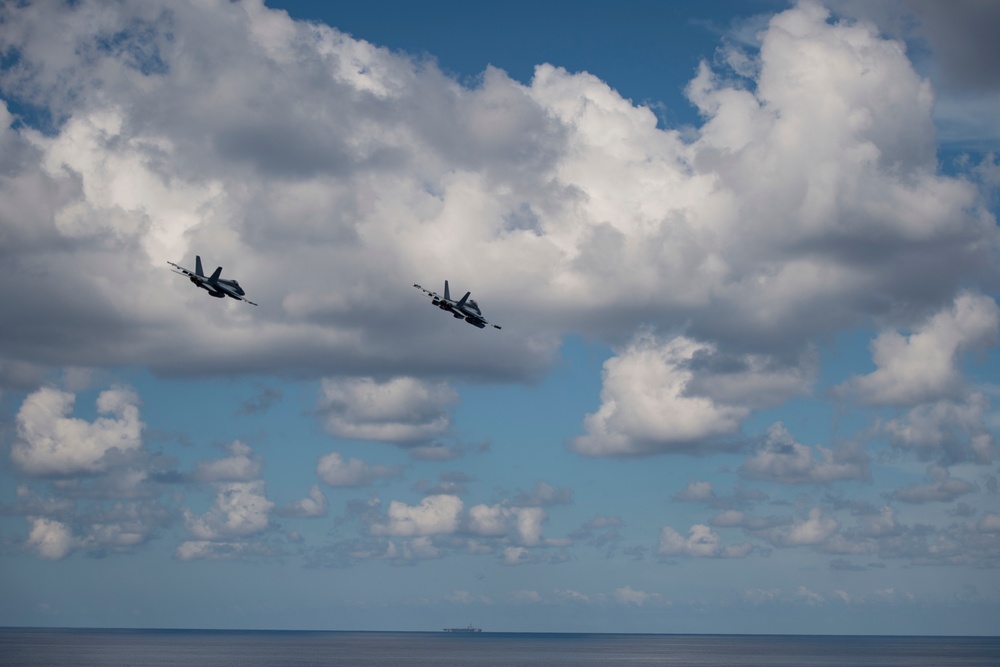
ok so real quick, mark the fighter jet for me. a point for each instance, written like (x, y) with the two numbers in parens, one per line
(465, 308)
(216, 286)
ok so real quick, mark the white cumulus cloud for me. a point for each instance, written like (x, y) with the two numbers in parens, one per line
(402, 410)
(941, 487)
(435, 515)
(51, 442)
(488, 520)
(696, 491)
(51, 539)
(781, 459)
(241, 509)
(333, 470)
(952, 431)
(923, 366)
(314, 505)
(814, 530)
(644, 407)
(240, 466)
(701, 542)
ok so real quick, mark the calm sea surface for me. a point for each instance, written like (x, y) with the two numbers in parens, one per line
(156, 648)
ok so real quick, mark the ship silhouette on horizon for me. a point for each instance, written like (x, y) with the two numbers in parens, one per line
(466, 629)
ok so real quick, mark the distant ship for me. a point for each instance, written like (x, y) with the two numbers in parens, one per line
(468, 629)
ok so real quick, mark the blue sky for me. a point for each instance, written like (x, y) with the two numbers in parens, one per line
(744, 255)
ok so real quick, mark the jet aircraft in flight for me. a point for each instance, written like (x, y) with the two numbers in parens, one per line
(216, 286)
(465, 308)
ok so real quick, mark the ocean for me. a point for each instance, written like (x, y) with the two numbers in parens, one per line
(33, 647)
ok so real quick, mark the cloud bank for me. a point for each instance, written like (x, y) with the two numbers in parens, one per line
(329, 174)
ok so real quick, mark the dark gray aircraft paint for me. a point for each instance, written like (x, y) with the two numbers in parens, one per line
(216, 286)
(465, 308)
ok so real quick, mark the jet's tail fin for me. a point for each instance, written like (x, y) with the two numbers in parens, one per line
(215, 276)
(464, 299)
(197, 266)
(447, 292)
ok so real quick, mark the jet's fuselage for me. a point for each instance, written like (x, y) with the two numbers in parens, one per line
(219, 288)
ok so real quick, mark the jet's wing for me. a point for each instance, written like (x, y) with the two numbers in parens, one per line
(429, 293)
(481, 322)
(182, 270)
(228, 291)
(478, 320)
